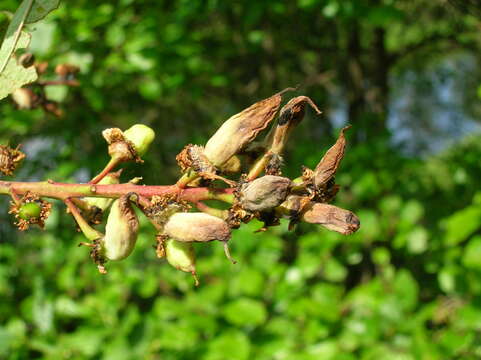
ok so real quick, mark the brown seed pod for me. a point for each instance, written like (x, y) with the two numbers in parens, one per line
(331, 217)
(198, 227)
(10, 159)
(240, 130)
(264, 193)
(329, 164)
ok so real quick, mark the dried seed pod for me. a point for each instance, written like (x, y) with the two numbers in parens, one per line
(10, 159)
(331, 217)
(181, 255)
(264, 193)
(199, 227)
(196, 226)
(241, 129)
(141, 136)
(104, 203)
(328, 165)
(121, 229)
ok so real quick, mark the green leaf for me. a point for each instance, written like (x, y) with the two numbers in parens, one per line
(462, 224)
(245, 312)
(40, 9)
(232, 345)
(472, 253)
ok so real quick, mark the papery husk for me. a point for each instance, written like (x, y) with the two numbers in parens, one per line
(329, 163)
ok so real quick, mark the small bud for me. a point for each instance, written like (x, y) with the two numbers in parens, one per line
(10, 159)
(29, 210)
(264, 193)
(201, 227)
(329, 163)
(25, 98)
(104, 203)
(240, 130)
(121, 230)
(26, 60)
(66, 71)
(141, 136)
(331, 217)
(181, 255)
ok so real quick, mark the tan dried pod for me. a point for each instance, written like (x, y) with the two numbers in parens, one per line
(264, 193)
(231, 166)
(331, 217)
(329, 163)
(241, 129)
(198, 227)
(121, 230)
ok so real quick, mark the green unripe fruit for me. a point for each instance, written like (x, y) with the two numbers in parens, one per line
(141, 136)
(29, 211)
(121, 230)
(181, 256)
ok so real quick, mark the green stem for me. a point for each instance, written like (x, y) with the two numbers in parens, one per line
(108, 168)
(89, 232)
(63, 191)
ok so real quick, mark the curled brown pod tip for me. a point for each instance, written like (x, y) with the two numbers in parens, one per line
(329, 163)
(331, 217)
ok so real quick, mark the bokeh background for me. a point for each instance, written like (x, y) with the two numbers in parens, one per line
(407, 285)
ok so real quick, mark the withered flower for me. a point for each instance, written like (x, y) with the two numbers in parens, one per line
(241, 129)
(329, 163)
(121, 230)
(129, 145)
(10, 159)
(30, 210)
(264, 193)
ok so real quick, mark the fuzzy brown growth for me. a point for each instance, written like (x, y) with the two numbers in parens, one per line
(241, 129)
(327, 167)
(10, 159)
(192, 157)
(162, 207)
(23, 224)
(160, 240)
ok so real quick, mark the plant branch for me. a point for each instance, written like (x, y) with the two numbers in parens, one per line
(63, 191)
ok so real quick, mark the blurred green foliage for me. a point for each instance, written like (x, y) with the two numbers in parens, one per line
(405, 286)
